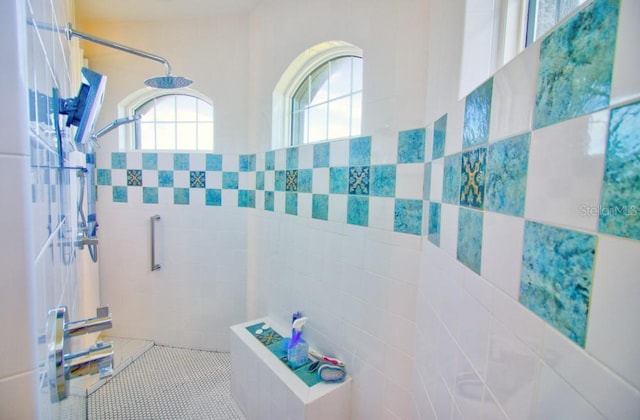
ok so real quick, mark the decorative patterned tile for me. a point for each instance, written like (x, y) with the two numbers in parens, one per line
(246, 198)
(439, 137)
(321, 155)
(359, 180)
(230, 180)
(555, 283)
(181, 161)
(473, 177)
(360, 151)
(411, 145)
(181, 196)
(213, 162)
(383, 181)
(408, 216)
(433, 231)
(150, 195)
(119, 194)
(260, 180)
(507, 166)
(165, 178)
(270, 160)
(291, 181)
(469, 250)
(426, 184)
(291, 203)
(358, 210)
(134, 177)
(320, 206)
(451, 179)
(118, 160)
(104, 176)
(149, 161)
(620, 204)
(305, 180)
(477, 115)
(280, 181)
(213, 197)
(339, 180)
(292, 158)
(197, 179)
(576, 64)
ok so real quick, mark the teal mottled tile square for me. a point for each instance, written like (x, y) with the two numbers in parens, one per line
(230, 180)
(181, 196)
(268, 200)
(477, 115)
(213, 197)
(104, 176)
(358, 210)
(408, 216)
(382, 182)
(411, 145)
(359, 180)
(292, 158)
(150, 195)
(469, 250)
(439, 137)
(451, 179)
(197, 179)
(360, 151)
(305, 179)
(247, 198)
(270, 160)
(291, 203)
(433, 230)
(119, 194)
(260, 180)
(165, 178)
(426, 184)
(280, 180)
(576, 65)
(507, 166)
(291, 180)
(321, 155)
(150, 161)
(247, 163)
(473, 177)
(181, 161)
(339, 180)
(118, 160)
(320, 206)
(620, 202)
(213, 162)
(556, 278)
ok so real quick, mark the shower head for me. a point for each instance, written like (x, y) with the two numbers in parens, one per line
(168, 82)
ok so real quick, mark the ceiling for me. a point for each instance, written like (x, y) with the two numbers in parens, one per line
(158, 10)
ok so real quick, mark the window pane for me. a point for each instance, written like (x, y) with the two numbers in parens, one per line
(186, 108)
(147, 136)
(205, 111)
(318, 123)
(147, 112)
(357, 74)
(166, 136)
(165, 108)
(205, 136)
(300, 99)
(318, 85)
(339, 117)
(298, 127)
(356, 114)
(340, 83)
(187, 138)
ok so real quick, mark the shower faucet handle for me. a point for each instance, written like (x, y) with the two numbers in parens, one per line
(101, 321)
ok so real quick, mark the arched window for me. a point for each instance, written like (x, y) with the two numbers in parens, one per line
(319, 97)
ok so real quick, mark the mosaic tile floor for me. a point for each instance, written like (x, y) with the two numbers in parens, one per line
(168, 383)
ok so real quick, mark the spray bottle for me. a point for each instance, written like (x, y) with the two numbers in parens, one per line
(298, 349)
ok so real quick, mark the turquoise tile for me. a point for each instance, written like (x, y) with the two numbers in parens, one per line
(339, 180)
(230, 180)
(181, 196)
(411, 146)
(119, 194)
(358, 210)
(213, 162)
(477, 115)
(118, 160)
(408, 216)
(247, 163)
(291, 203)
(473, 177)
(359, 180)
(556, 278)
(197, 179)
(305, 179)
(280, 181)
(576, 64)
(165, 178)
(383, 181)
(433, 231)
(268, 200)
(181, 161)
(320, 206)
(321, 155)
(469, 250)
(104, 176)
(507, 165)
(134, 177)
(620, 202)
(247, 198)
(291, 180)
(260, 180)
(150, 161)
(439, 137)
(213, 197)
(292, 158)
(451, 179)
(270, 160)
(150, 195)
(426, 183)
(359, 151)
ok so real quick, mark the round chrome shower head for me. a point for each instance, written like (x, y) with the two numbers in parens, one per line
(168, 82)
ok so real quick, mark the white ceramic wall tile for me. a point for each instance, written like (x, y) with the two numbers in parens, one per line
(384, 151)
(473, 335)
(197, 161)
(18, 396)
(165, 161)
(455, 125)
(409, 180)
(615, 288)
(428, 143)
(320, 180)
(304, 205)
(563, 186)
(181, 179)
(305, 156)
(339, 153)
(468, 389)
(134, 195)
(230, 198)
(449, 229)
(502, 243)
(150, 178)
(165, 195)
(118, 177)
(437, 176)
(338, 208)
(381, 211)
(269, 180)
(231, 162)
(134, 160)
(213, 180)
(625, 83)
(524, 324)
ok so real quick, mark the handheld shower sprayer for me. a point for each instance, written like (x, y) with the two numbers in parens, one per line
(113, 125)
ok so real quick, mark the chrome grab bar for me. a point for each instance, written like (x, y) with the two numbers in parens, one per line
(154, 265)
